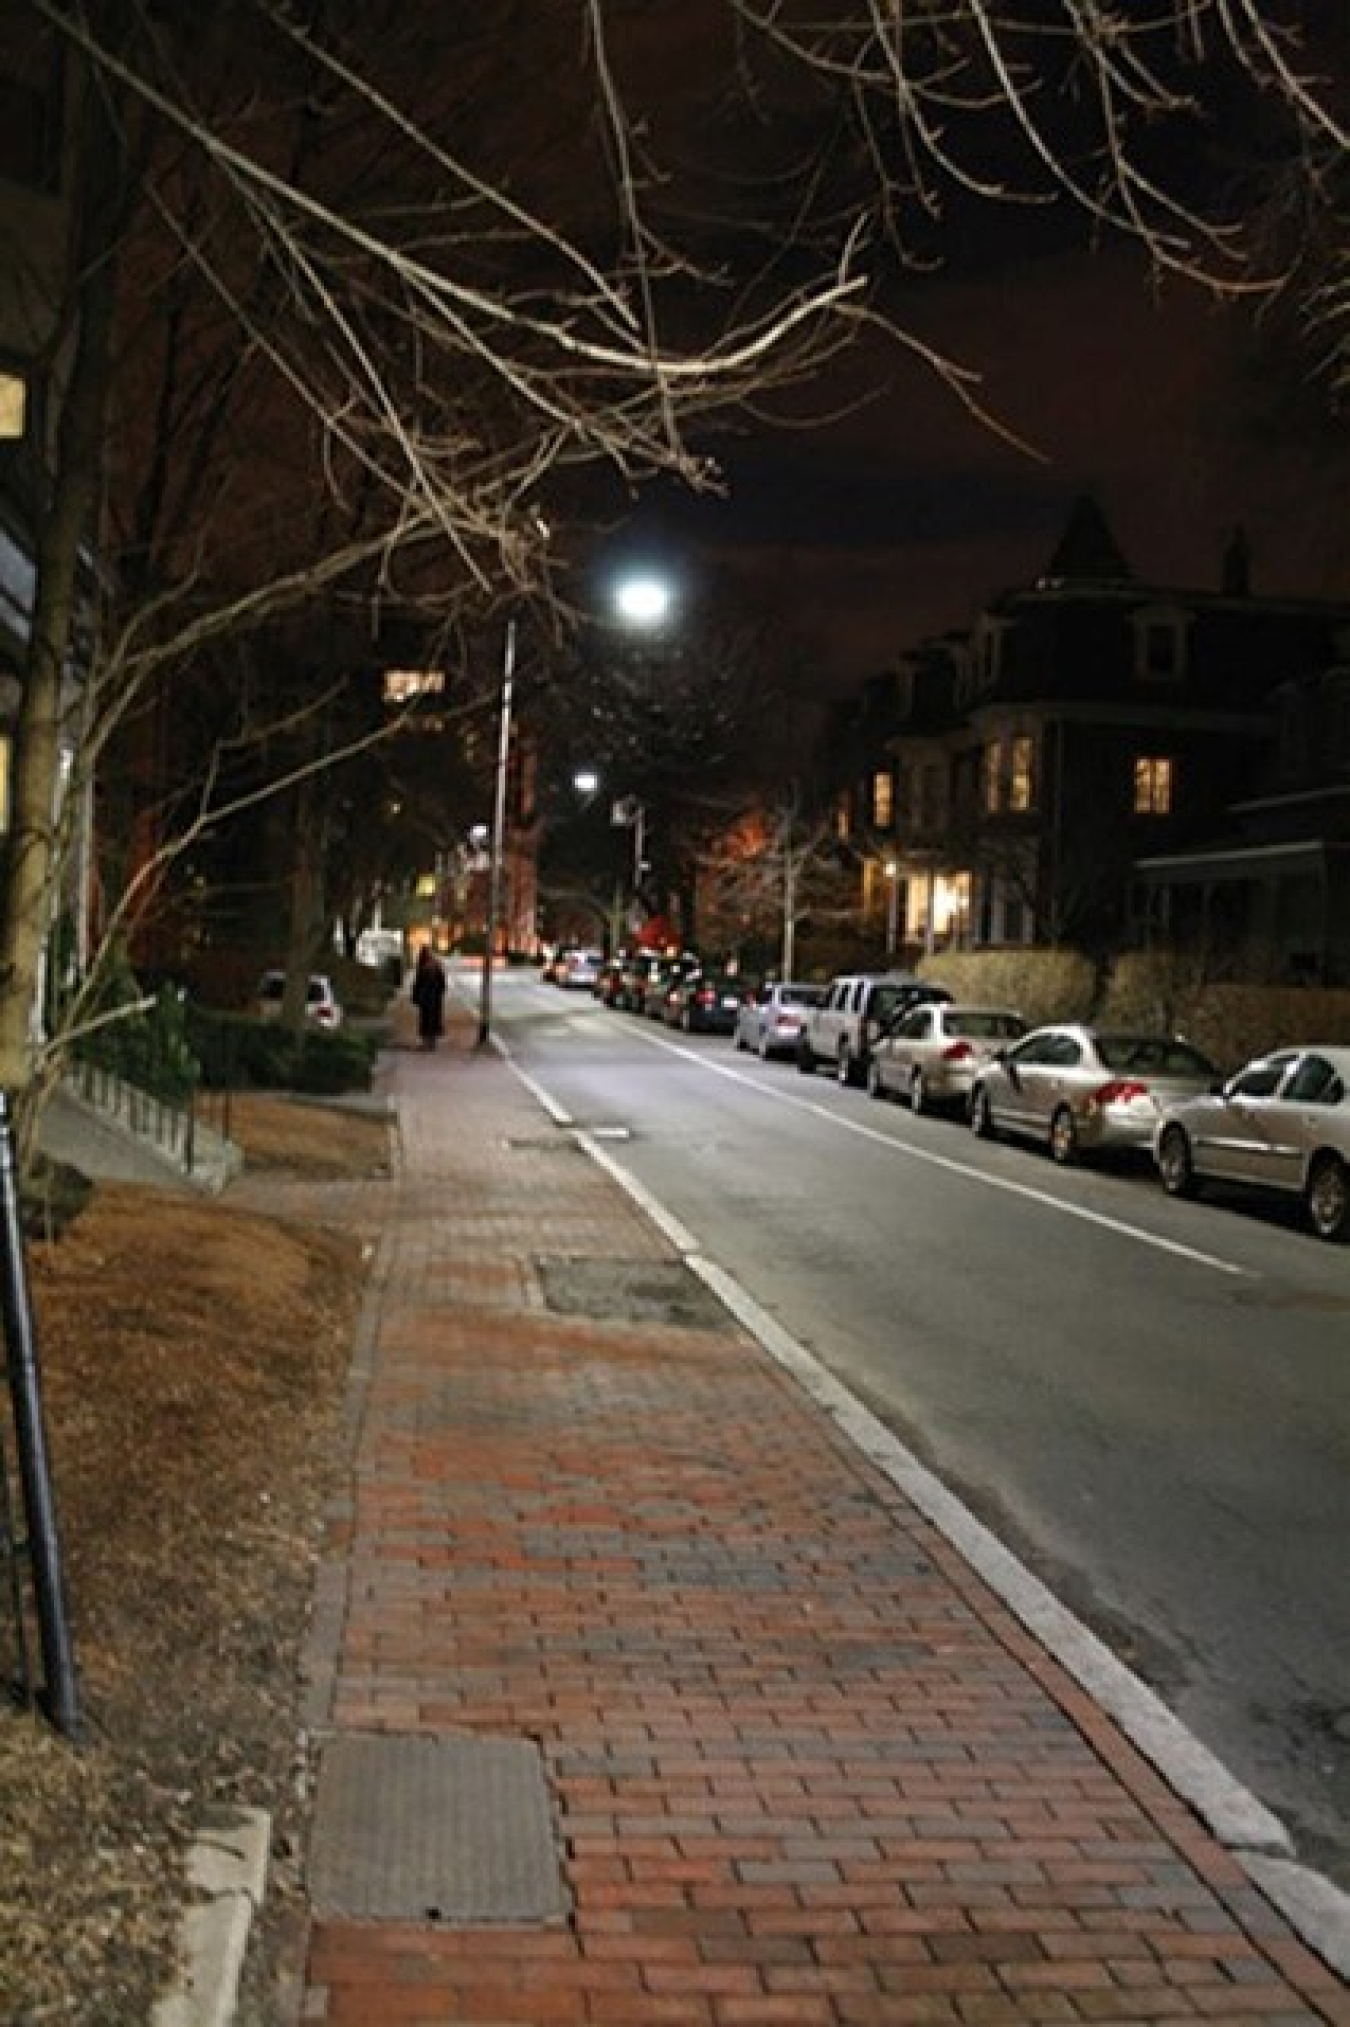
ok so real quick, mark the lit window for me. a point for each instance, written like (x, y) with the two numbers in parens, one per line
(13, 406)
(883, 799)
(991, 762)
(1153, 775)
(1021, 778)
(401, 686)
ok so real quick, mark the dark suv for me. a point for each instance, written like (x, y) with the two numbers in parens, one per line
(857, 1006)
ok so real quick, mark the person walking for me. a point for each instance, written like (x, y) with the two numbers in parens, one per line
(428, 996)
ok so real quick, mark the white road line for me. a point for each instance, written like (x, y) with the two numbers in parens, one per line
(961, 1168)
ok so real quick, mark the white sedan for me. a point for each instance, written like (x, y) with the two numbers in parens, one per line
(932, 1054)
(1282, 1123)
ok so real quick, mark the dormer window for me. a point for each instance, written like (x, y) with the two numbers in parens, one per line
(1161, 637)
(989, 637)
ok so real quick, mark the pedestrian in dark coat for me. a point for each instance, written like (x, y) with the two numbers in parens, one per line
(428, 996)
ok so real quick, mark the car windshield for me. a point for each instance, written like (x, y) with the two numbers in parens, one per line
(801, 995)
(1153, 1056)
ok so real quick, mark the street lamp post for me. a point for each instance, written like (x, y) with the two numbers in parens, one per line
(892, 872)
(643, 603)
(498, 839)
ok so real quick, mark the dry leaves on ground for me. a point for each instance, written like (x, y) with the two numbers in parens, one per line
(194, 1354)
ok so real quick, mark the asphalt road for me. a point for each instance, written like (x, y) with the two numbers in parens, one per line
(1148, 1400)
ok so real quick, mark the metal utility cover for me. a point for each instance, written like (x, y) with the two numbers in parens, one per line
(434, 1829)
(630, 1291)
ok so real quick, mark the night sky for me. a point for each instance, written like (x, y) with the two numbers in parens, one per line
(898, 521)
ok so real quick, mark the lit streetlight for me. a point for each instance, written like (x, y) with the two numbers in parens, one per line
(642, 601)
(892, 872)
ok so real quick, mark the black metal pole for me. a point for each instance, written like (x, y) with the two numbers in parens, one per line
(61, 1692)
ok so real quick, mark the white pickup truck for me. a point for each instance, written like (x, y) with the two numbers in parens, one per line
(839, 1033)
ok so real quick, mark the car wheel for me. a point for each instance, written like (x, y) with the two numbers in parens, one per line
(1176, 1170)
(741, 1042)
(1328, 1197)
(1063, 1137)
(981, 1115)
(844, 1068)
(918, 1093)
(875, 1087)
(806, 1061)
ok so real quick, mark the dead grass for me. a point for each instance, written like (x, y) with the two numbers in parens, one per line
(194, 1356)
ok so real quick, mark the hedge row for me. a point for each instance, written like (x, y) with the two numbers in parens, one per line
(1145, 989)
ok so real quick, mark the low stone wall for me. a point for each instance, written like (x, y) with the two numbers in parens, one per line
(1229, 1021)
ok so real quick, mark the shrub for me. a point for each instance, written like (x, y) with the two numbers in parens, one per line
(335, 1062)
(151, 1046)
(1042, 985)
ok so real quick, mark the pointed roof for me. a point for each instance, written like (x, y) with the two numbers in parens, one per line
(1087, 550)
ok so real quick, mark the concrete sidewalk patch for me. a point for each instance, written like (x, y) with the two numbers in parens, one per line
(227, 1867)
(436, 1829)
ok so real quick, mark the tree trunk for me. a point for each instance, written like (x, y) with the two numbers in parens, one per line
(308, 914)
(28, 893)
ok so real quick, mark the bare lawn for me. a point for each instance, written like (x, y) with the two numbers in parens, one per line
(194, 1354)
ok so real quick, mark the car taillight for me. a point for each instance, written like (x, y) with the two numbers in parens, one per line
(956, 1052)
(1120, 1091)
(705, 995)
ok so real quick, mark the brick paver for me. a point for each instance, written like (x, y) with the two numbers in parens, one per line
(807, 1771)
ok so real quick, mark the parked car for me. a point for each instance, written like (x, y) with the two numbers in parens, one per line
(609, 983)
(770, 1021)
(704, 1002)
(321, 1002)
(665, 976)
(1081, 1089)
(931, 1055)
(856, 1007)
(579, 970)
(1282, 1123)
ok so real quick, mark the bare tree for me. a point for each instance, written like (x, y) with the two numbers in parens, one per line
(399, 305)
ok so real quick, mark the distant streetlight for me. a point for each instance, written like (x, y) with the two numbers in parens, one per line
(585, 781)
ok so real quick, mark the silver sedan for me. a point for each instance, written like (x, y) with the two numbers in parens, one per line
(1282, 1123)
(771, 1022)
(1080, 1089)
(933, 1054)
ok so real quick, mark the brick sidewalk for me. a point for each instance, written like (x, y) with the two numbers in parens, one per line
(805, 1769)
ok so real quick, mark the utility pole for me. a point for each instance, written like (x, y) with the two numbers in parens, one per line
(498, 841)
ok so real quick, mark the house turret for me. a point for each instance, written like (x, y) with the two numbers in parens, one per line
(1087, 551)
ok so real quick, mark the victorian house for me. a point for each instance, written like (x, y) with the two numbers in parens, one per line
(1051, 771)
